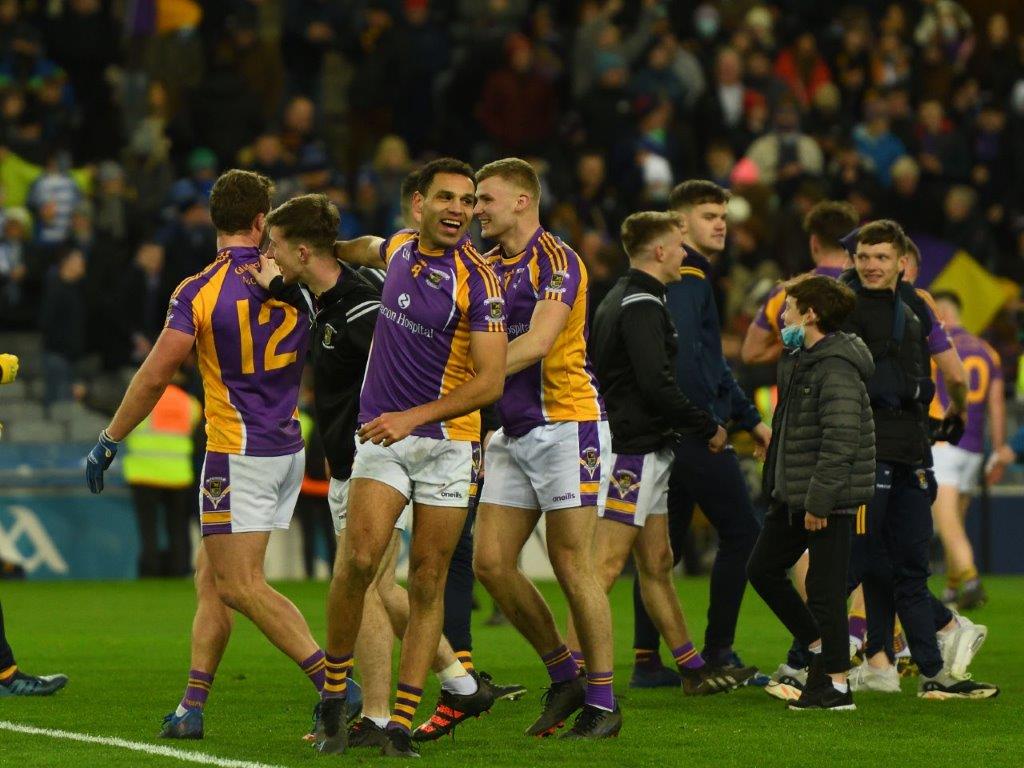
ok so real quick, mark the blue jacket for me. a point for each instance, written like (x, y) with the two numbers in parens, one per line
(701, 369)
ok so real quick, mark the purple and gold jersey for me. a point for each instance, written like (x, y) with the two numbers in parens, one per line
(561, 387)
(431, 302)
(984, 371)
(251, 352)
(769, 317)
(938, 339)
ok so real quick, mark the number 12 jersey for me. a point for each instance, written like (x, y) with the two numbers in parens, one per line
(251, 349)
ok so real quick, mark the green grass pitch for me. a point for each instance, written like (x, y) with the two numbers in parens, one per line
(125, 647)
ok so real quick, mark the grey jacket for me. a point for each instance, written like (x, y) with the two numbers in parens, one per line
(822, 455)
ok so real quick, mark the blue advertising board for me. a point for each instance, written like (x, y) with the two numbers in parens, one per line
(69, 534)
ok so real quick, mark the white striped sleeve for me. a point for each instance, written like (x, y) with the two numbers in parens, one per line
(361, 309)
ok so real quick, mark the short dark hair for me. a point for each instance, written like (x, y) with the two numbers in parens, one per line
(515, 171)
(951, 296)
(831, 301)
(442, 165)
(308, 219)
(697, 192)
(830, 221)
(405, 196)
(237, 198)
(409, 187)
(884, 231)
(639, 229)
(913, 252)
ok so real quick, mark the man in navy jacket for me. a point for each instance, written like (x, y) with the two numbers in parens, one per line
(714, 481)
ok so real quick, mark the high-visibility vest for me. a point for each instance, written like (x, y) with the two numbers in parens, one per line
(159, 452)
(766, 398)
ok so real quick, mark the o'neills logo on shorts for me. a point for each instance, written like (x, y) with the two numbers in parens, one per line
(451, 495)
(564, 497)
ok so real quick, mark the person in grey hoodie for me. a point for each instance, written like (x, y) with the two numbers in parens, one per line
(819, 469)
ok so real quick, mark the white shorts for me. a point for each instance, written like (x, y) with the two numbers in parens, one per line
(239, 494)
(955, 466)
(337, 497)
(554, 466)
(426, 470)
(638, 487)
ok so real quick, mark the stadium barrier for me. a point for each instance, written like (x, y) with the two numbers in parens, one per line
(55, 529)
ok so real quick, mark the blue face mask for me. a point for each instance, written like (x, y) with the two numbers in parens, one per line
(793, 336)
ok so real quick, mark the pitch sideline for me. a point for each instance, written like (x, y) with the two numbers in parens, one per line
(135, 746)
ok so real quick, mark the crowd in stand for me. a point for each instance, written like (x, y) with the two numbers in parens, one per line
(116, 118)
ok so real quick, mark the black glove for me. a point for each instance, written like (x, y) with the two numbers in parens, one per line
(949, 430)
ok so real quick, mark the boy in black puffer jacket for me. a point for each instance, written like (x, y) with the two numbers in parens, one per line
(820, 468)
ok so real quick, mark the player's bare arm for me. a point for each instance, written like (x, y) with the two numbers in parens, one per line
(360, 252)
(150, 381)
(1002, 455)
(548, 319)
(760, 346)
(955, 378)
(488, 351)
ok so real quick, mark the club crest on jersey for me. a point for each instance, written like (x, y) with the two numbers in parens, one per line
(329, 334)
(215, 489)
(590, 460)
(435, 277)
(496, 309)
(557, 283)
(625, 482)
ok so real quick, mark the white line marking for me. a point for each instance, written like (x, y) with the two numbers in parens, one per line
(135, 746)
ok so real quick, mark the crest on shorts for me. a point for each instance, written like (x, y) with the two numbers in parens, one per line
(215, 489)
(590, 460)
(496, 310)
(625, 482)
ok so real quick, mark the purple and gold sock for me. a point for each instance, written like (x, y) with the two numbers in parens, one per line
(197, 690)
(577, 656)
(561, 665)
(336, 669)
(599, 691)
(686, 657)
(858, 626)
(315, 668)
(406, 702)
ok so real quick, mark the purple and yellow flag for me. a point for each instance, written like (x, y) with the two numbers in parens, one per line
(944, 267)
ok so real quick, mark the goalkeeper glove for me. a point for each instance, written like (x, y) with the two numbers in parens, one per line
(8, 368)
(98, 460)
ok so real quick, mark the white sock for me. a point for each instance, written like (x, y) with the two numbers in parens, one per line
(856, 642)
(455, 679)
(841, 687)
(453, 670)
(180, 711)
(380, 722)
